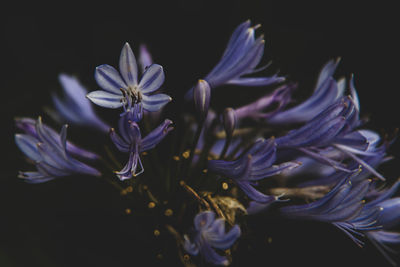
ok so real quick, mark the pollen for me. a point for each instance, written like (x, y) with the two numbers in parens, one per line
(176, 158)
(144, 153)
(205, 171)
(156, 232)
(151, 205)
(225, 186)
(168, 212)
(186, 257)
(128, 211)
(186, 154)
(129, 189)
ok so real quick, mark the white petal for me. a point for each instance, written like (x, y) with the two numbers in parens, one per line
(105, 99)
(109, 79)
(152, 79)
(128, 65)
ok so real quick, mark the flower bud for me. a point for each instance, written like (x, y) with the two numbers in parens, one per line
(229, 120)
(202, 98)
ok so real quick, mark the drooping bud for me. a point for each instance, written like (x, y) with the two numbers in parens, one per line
(229, 120)
(201, 96)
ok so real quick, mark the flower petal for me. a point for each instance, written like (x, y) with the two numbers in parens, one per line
(128, 66)
(152, 79)
(105, 99)
(109, 79)
(155, 102)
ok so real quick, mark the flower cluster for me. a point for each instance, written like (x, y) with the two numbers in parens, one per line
(215, 164)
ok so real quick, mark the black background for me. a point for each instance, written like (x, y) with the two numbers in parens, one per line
(79, 221)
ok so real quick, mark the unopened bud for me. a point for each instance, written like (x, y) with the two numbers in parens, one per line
(201, 96)
(229, 120)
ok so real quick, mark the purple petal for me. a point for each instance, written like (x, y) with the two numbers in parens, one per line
(252, 193)
(224, 241)
(156, 136)
(203, 220)
(27, 144)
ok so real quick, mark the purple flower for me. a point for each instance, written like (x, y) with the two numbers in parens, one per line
(342, 207)
(50, 153)
(253, 165)
(242, 55)
(132, 142)
(209, 234)
(125, 89)
(28, 125)
(388, 210)
(334, 128)
(257, 110)
(76, 108)
(326, 92)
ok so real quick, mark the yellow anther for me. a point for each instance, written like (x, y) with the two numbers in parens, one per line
(225, 186)
(129, 189)
(205, 171)
(186, 257)
(144, 153)
(176, 158)
(156, 232)
(168, 212)
(151, 205)
(186, 154)
(128, 211)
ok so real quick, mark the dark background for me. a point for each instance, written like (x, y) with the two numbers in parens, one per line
(79, 221)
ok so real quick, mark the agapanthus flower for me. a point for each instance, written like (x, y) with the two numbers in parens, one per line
(209, 233)
(125, 89)
(241, 57)
(132, 142)
(50, 153)
(333, 128)
(251, 166)
(389, 217)
(259, 108)
(343, 204)
(28, 125)
(76, 108)
(326, 92)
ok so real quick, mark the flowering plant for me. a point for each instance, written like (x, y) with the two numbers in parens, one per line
(221, 166)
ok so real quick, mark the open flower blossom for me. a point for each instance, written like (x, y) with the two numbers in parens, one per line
(76, 108)
(125, 89)
(50, 154)
(241, 57)
(222, 159)
(132, 142)
(209, 234)
(253, 165)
